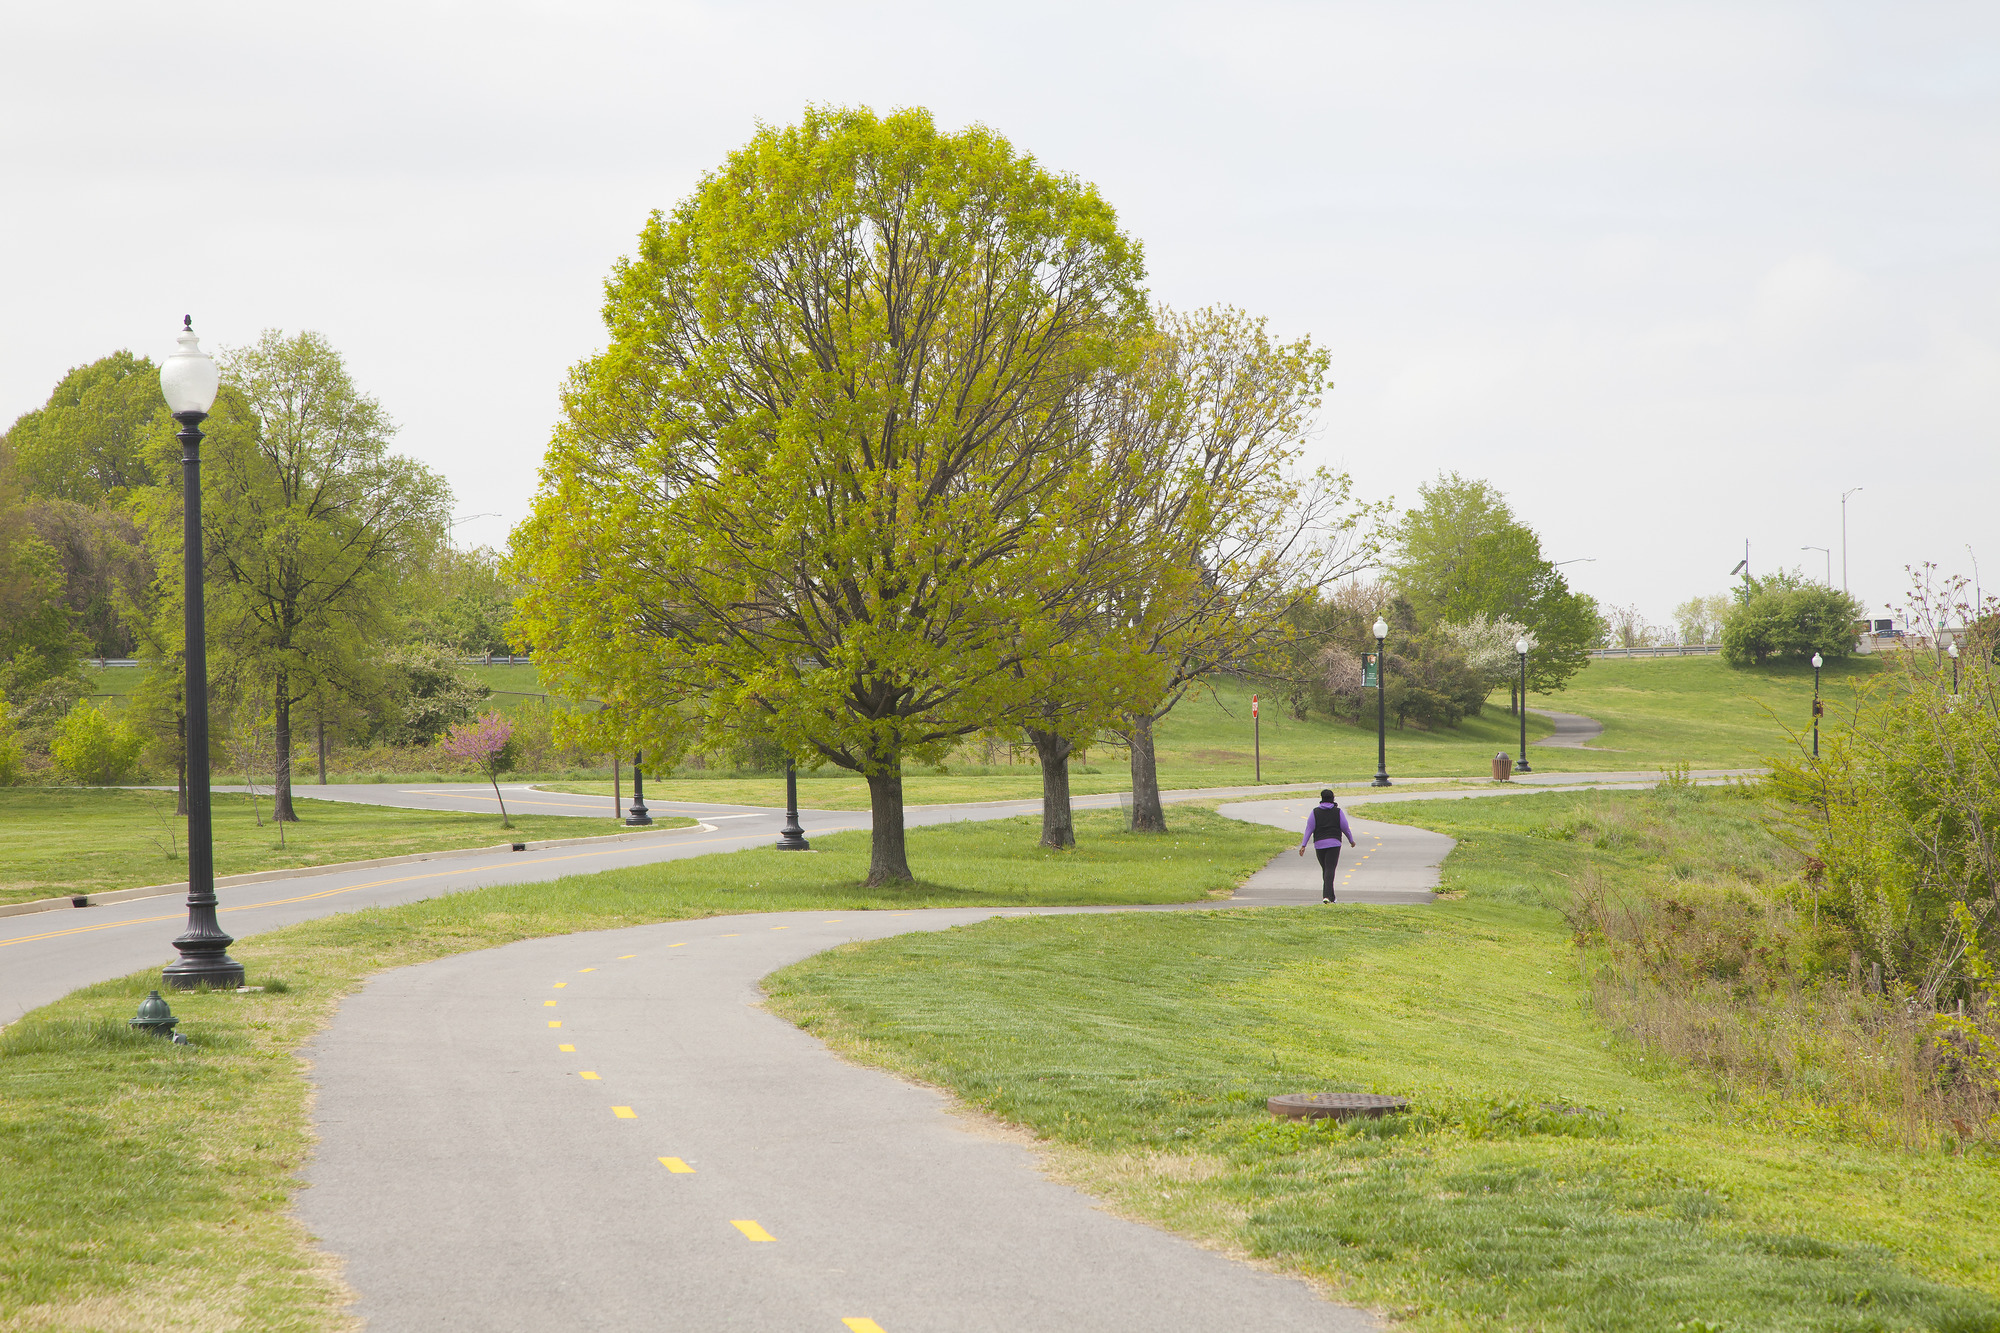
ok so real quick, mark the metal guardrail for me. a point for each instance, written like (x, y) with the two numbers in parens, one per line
(1662, 650)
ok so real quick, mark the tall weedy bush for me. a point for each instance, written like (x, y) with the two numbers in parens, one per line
(1899, 815)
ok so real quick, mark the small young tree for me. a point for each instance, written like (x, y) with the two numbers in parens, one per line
(488, 745)
(92, 749)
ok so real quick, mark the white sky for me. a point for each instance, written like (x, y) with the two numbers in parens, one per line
(1671, 275)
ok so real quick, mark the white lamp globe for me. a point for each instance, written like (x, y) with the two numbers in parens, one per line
(189, 378)
(1952, 649)
(1817, 663)
(1381, 628)
(1521, 645)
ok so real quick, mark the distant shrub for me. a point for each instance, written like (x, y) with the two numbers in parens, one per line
(92, 749)
(13, 756)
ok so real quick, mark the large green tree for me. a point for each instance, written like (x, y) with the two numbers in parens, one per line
(1463, 553)
(1211, 415)
(1787, 614)
(830, 481)
(308, 521)
(38, 639)
(88, 443)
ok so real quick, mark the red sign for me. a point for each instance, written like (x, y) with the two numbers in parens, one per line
(1253, 705)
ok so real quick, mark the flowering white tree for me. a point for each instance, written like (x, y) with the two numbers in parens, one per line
(1487, 644)
(488, 745)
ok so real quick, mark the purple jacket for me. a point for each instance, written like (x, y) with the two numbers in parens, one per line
(1312, 823)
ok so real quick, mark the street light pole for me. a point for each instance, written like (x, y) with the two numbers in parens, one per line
(1521, 646)
(638, 815)
(189, 381)
(1829, 561)
(1817, 663)
(1381, 706)
(792, 838)
(1843, 537)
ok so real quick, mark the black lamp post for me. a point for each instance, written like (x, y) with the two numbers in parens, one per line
(792, 838)
(1521, 647)
(1381, 705)
(1818, 662)
(189, 381)
(638, 814)
(1951, 651)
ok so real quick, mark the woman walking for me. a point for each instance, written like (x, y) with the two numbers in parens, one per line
(1325, 827)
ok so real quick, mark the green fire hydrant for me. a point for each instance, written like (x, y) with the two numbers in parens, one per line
(156, 1018)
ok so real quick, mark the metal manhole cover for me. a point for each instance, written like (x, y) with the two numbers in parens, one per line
(1334, 1105)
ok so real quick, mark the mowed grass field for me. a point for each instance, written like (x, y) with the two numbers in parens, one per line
(1549, 1177)
(60, 841)
(148, 1186)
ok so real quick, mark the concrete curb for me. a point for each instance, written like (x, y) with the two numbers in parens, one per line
(300, 872)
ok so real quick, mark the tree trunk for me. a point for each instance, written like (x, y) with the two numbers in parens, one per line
(1058, 825)
(321, 723)
(1148, 815)
(281, 763)
(888, 855)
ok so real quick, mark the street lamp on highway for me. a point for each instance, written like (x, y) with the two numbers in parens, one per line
(1521, 647)
(1381, 706)
(189, 381)
(1829, 561)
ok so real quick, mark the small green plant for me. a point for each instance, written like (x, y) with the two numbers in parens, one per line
(92, 749)
(13, 758)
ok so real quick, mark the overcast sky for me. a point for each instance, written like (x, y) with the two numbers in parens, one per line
(1673, 276)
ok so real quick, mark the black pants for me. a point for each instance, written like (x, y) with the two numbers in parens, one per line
(1329, 862)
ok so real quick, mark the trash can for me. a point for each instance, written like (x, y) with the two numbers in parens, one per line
(1503, 767)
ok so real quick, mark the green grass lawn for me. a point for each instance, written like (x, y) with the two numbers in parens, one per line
(1551, 1177)
(147, 1186)
(57, 841)
(1660, 710)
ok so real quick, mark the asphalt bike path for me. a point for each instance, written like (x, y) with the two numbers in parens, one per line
(607, 1131)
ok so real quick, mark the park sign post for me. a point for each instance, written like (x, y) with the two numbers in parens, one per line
(1257, 738)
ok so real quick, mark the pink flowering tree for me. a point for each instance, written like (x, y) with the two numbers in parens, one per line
(488, 745)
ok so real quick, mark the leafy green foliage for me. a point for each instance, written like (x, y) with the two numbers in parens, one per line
(37, 641)
(88, 443)
(433, 692)
(1786, 616)
(1900, 813)
(13, 759)
(1463, 553)
(830, 478)
(92, 749)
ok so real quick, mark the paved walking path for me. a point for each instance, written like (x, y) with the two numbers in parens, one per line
(673, 1156)
(1573, 730)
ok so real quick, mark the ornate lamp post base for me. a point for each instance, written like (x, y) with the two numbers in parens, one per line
(638, 815)
(792, 838)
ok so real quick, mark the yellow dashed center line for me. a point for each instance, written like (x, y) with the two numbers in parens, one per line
(548, 1004)
(624, 1113)
(623, 956)
(860, 1325)
(555, 1022)
(682, 945)
(561, 984)
(587, 969)
(677, 1166)
(751, 1229)
(734, 934)
(590, 1073)
(781, 928)
(565, 1047)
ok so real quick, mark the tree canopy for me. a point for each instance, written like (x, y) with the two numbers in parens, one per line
(1463, 553)
(88, 443)
(1787, 615)
(832, 478)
